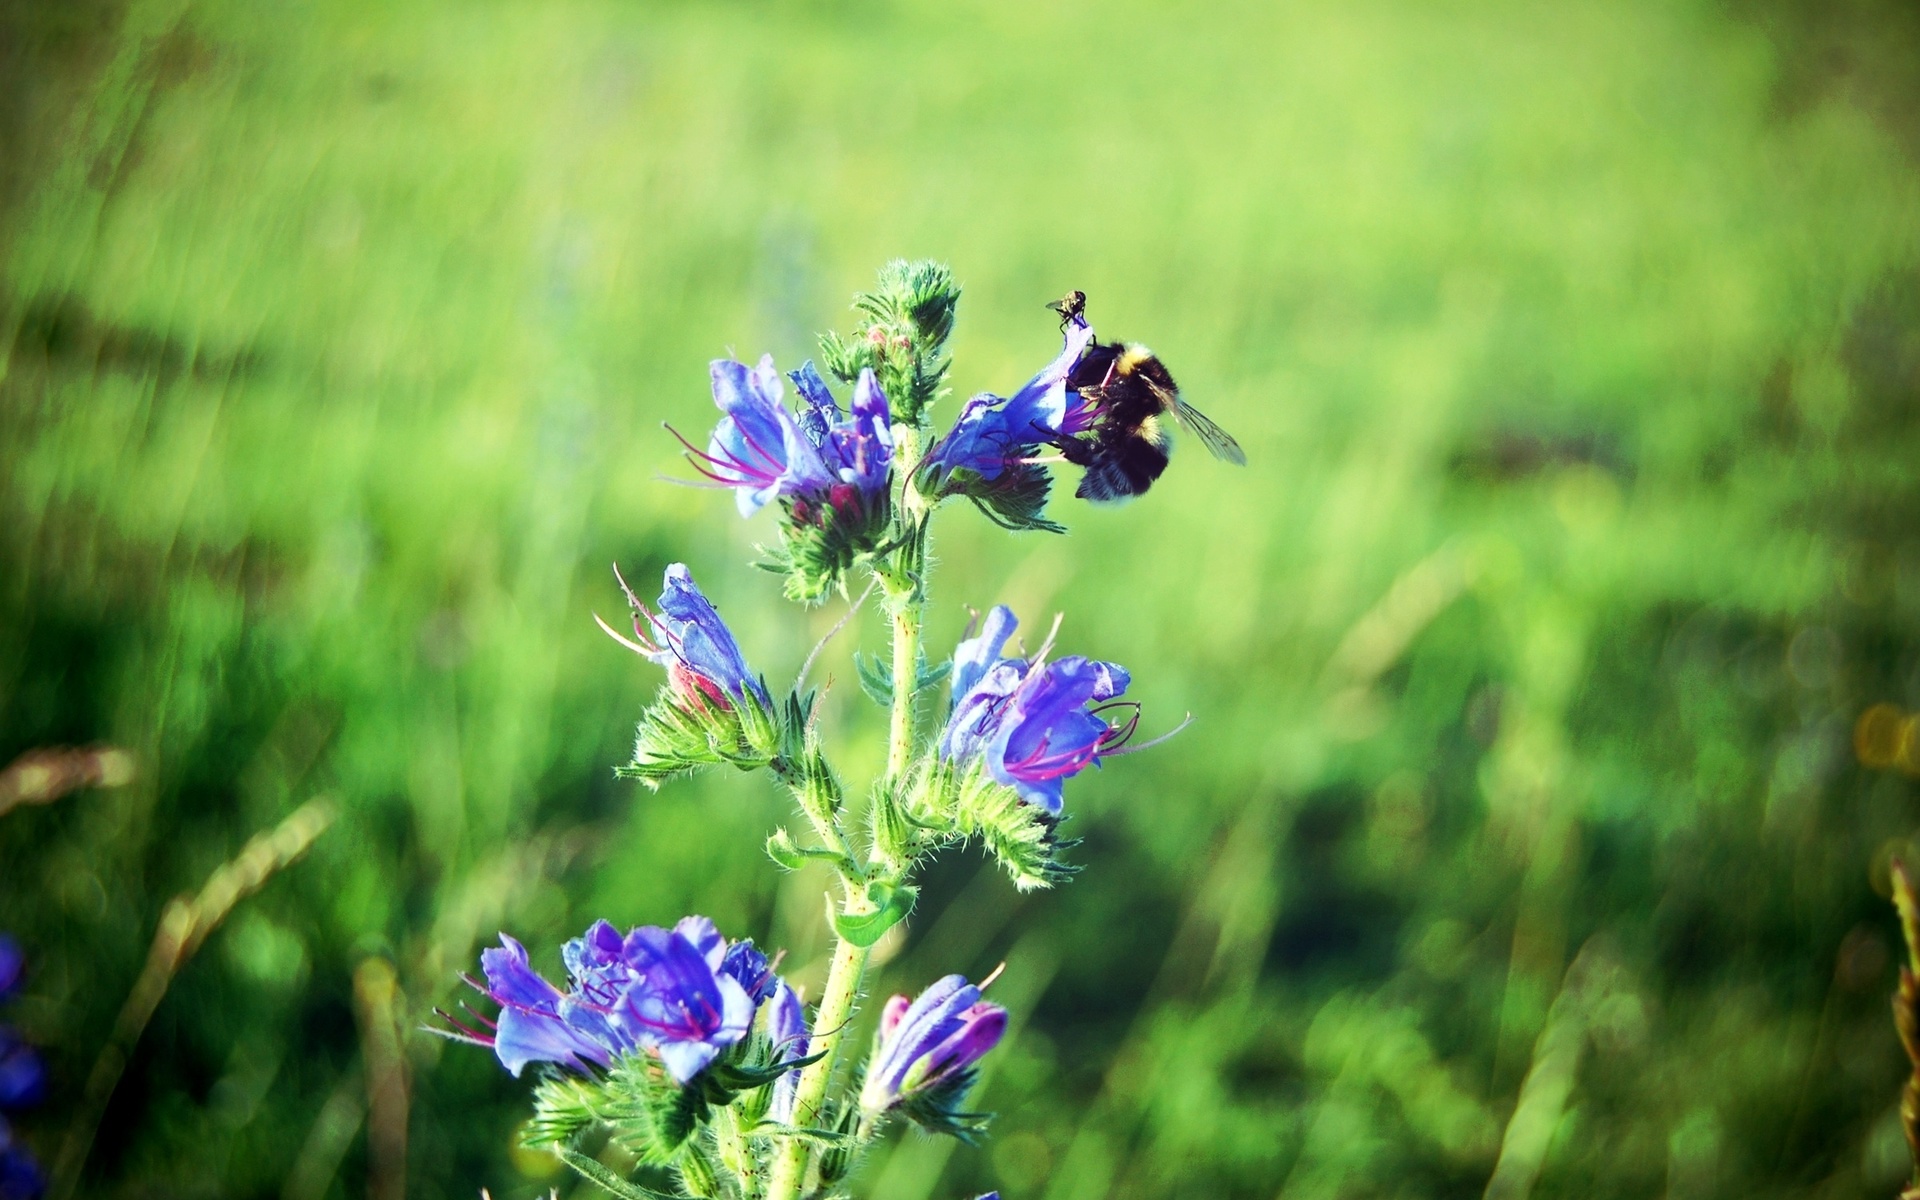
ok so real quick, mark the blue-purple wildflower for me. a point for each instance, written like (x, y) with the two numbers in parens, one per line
(930, 1042)
(1032, 724)
(23, 1081)
(819, 460)
(23, 1076)
(786, 1022)
(995, 434)
(13, 966)
(20, 1175)
(857, 446)
(685, 994)
(689, 639)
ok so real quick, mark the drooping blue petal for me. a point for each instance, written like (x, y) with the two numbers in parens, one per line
(523, 1037)
(746, 965)
(787, 1030)
(992, 433)
(705, 937)
(531, 1027)
(691, 629)
(974, 655)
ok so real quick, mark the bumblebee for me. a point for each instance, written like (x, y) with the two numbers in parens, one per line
(1132, 393)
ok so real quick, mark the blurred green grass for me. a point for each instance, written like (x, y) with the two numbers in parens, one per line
(1575, 351)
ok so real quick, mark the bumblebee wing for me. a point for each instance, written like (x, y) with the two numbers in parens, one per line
(1218, 441)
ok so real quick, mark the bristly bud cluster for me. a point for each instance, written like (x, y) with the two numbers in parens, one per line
(901, 336)
(687, 1051)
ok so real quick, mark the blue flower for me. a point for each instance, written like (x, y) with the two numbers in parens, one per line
(1032, 724)
(20, 1176)
(856, 446)
(685, 994)
(930, 1043)
(995, 434)
(822, 456)
(787, 1030)
(23, 1077)
(13, 966)
(758, 448)
(684, 1003)
(689, 639)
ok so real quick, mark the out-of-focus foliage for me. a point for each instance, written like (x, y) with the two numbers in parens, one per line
(1523, 834)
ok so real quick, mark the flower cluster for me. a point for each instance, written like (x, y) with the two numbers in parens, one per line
(829, 469)
(23, 1080)
(1029, 723)
(683, 994)
(688, 1050)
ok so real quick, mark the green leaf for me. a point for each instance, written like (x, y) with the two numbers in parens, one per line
(926, 676)
(875, 680)
(892, 904)
(597, 1173)
(782, 850)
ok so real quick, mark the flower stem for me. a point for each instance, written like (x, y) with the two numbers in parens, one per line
(906, 601)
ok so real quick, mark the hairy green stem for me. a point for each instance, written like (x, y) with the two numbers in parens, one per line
(840, 1000)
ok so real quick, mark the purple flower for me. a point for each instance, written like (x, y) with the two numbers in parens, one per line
(1031, 723)
(822, 456)
(758, 449)
(993, 435)
(685, 993)
(787, 1030)
(20, 1176)
(688, 638)
(684, 1005)
(13, 966)
(858, 446)
(933, 1041)
(23, 1077)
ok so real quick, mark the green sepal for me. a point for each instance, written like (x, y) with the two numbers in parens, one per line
(603, 1176)
(819, 543)
(1015, 499)
(892, 903)
(679, 735)
(970, 803)
(937, 1109)
(697, 1176)
(894, 836)
(839, 1156)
